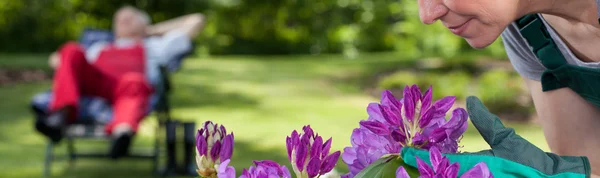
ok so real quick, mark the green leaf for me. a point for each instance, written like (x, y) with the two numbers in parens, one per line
(386, 168)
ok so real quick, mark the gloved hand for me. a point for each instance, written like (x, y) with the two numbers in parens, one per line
(510, 155)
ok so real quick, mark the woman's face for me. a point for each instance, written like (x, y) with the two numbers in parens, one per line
(480, 22)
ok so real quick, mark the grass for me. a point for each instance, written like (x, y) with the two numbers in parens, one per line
(24, 61)
(260, 99)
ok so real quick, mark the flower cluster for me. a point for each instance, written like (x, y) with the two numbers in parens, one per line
(443, 169)
(366, 148)
(414, 120)
(267, 169)
(309, 154)
(214, 147)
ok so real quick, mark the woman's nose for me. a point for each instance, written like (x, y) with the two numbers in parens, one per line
(431, 10)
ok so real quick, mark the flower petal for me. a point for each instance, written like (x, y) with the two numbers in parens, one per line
(420, 139)
(295, 139)
(374, 111)
(424, 169)
(435, 157)
(457, 123)
(201, 145)
(440, 169)
(325, 149)
(289, 146)
(316, 148)
(409, 104)
(452, 170)
(285, 172)
(479, 170)
(363, 157)
(227, 147)
(427, 117)
(314, 164)
(426, 99)
(245, 174)
(390, 101)
(376, 127)
(356, 138)
(301, 153)
(266, 169)
(443, 105)
(349, 155)
(226, 171)
(214, 151)
(208, 126)
(266, 163)
(329, 163)
(349, 175)
(416, 91)
(437, 135)
(222, 130)
(308, 131)
(398, 136)
(390, 115)
(401, 173)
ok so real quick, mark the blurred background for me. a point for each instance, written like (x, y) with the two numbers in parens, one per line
(262, 68)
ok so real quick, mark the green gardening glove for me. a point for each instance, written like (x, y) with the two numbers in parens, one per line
(510, 156)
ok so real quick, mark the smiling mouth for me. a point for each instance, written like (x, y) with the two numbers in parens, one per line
(459, 29)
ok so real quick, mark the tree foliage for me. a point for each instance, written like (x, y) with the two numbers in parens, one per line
(245, 26)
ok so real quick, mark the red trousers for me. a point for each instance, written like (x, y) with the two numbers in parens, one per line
(128, 92)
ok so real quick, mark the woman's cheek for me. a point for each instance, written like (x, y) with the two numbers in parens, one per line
(464, 7)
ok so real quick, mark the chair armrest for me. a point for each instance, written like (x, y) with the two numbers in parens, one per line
(54, 60)
(163, 89)
(165, 78)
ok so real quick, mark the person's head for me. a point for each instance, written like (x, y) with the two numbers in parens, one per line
(479, 22)
(130, 22)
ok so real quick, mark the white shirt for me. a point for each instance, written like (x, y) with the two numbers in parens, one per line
(158, 50)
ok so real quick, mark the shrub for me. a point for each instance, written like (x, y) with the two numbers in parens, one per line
(455, 83)
(500, 90)
(398, 80)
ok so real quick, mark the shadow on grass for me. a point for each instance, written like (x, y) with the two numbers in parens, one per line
(108, 168)
(244, 153)
(15, 107)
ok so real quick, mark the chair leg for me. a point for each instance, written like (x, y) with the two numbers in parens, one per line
(189, 130)
(71, 149)
(49, 158)
(156, 150)
(171, 134)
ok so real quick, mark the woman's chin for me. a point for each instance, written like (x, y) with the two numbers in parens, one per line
(479, 43)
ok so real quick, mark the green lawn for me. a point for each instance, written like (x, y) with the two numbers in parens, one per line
(260, 99)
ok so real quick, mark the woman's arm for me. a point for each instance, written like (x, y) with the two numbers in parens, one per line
(191, 24)
(570, 123)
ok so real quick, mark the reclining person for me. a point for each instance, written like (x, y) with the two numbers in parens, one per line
(119, 72)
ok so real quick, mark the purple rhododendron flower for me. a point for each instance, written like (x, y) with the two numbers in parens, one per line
(309, 154)
(367, 148)
(265, 169)
(417, 121)
(214, 147)
(443, 169)
(401, 173)
(225, 171)
(414, 120)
